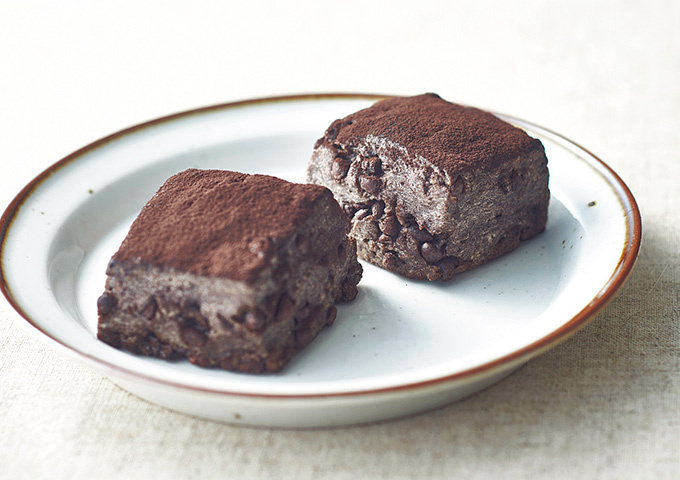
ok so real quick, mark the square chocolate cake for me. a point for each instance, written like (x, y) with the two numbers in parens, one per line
(433, 188)
(229, 270)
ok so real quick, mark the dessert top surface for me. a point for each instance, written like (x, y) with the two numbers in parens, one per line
(218, 223)
(450, 136)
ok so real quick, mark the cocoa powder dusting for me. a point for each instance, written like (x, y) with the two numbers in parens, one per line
(218, 223)
(451, 136)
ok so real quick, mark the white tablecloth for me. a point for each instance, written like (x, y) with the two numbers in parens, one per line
(604, 404)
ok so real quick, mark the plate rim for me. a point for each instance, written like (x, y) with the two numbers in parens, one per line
(629, 255)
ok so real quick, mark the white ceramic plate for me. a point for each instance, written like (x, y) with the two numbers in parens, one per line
(402, 347)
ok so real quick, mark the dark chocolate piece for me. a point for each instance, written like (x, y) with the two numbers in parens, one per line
(433, 188)
(229, 270)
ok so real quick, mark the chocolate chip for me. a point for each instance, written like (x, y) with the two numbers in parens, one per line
(406, 243)
(405, 218)
(193, 337)
(377, 208)
(277, 359)
(112, 338)
(339, 168)
(458, 187)
(130, 342)
(225, 323)
(243, 361)
(431, 253)
(151, 346)
(303, 338)
(226, 362)
(254, 321)
(192, 305)
(390, 226)
(309, 326)
(199, 358)
(385, 239)
(349, 290)
(447, 267)
(370, 184)
(391, 261)
(361, 213)
(106, 304)
(331, 314)
(249, 363)
(354, 273)
(196, 320)
(302, 243)
(372, 166)
(149, 308)
(168, 353)
(285, 308)
(372, 230)
(349, 209)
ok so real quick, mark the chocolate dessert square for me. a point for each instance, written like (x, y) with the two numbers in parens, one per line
(433, 188)
(229, 270)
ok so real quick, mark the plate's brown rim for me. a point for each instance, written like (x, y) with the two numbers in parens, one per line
(582, 318)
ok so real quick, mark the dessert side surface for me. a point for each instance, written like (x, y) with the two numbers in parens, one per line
(433, 188)
(229, 270)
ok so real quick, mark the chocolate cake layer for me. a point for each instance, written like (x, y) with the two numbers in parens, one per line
(433, 188)
(229, 270)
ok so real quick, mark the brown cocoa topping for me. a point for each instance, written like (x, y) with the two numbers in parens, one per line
(452, 137)
(243, 210)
